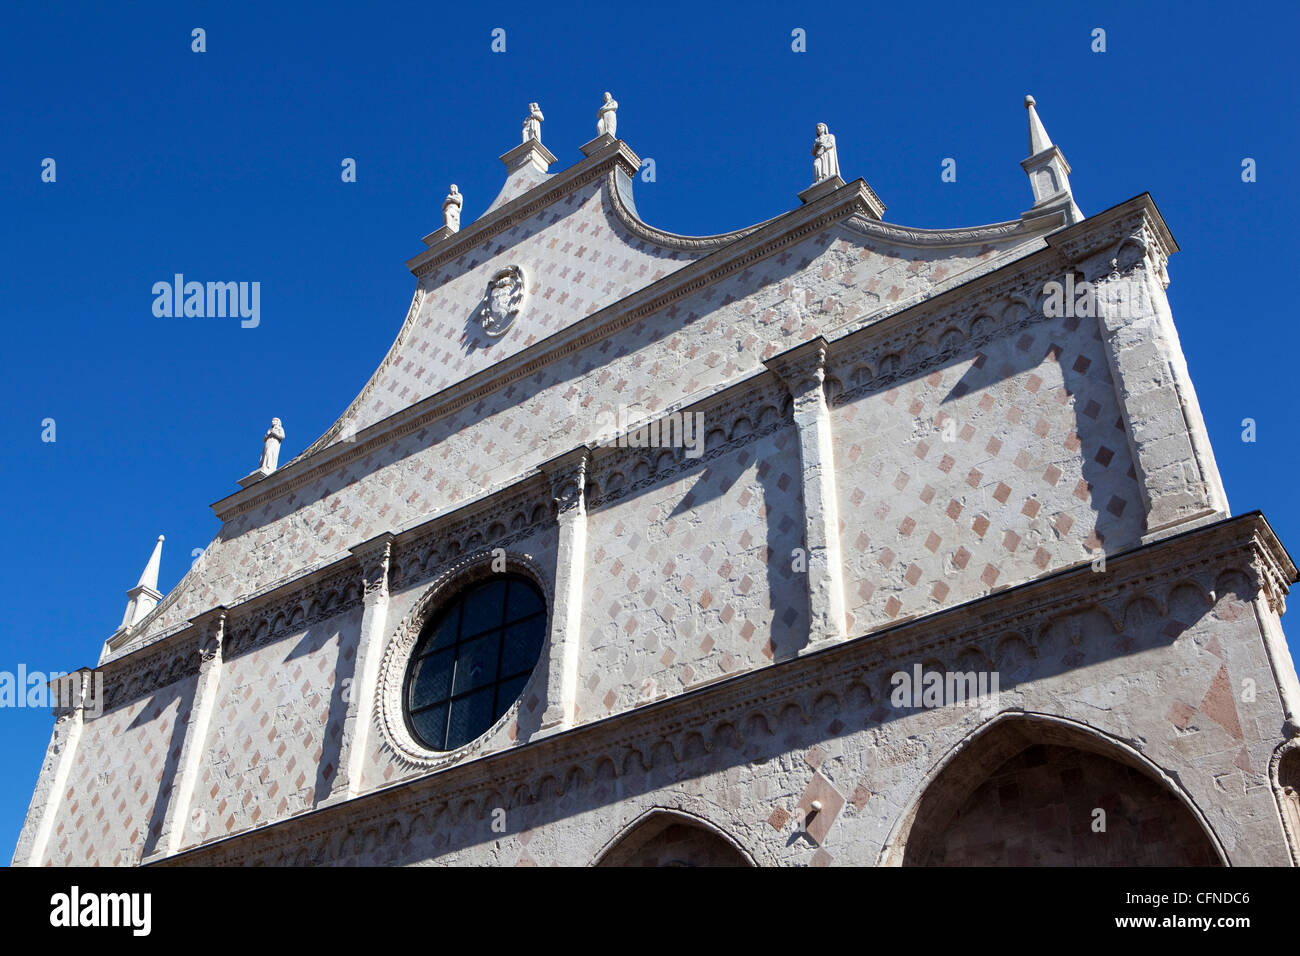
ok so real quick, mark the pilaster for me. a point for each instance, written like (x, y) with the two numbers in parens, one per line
(803, 371)
(69, 721)
(568, 478)
(210, 630)
(1176, 470)
(362, 694)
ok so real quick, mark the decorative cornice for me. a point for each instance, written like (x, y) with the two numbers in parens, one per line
(803, 368)
(947, 238)
(623, 208)
(736, 416)
(1100, 232)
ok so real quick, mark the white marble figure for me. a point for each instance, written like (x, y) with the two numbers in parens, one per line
(451, 209)
(533, 124)
(826, 161)
(271, 447)
(607, 116)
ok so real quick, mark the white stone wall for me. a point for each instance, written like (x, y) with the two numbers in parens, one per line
(1007, 460)
(1091, 651)
(273, 743)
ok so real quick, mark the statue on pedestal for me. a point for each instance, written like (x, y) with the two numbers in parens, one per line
(451, 209)
(826, 161)
(533, 124)
(271, 447)
(607, 116)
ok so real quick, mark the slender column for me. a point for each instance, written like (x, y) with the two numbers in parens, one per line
(568, 477)
(803, 370)
(69, 721)
(363, 693)
(210, 631)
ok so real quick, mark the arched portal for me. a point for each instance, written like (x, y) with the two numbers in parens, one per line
(673, 838)
(1034, 791)
(1288, 794)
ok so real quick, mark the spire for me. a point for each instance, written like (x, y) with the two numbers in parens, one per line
(144, 597)
(1038, 138)
(149, 578)
(1049, 173)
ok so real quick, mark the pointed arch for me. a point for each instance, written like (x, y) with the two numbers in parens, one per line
(994, 762)
(669, 837)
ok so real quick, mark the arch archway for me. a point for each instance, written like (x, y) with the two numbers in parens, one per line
(662, 837)
(1288, 796)
(1033, 790)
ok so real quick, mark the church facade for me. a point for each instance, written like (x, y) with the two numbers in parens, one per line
(824, 541)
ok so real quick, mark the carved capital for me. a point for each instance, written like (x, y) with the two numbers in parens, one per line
(1272, 571)
(803, 371)
(1093, 243)
(375, 556)
(568, 477)
(210, 630)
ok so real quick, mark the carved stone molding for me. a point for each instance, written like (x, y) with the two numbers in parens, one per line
(1101, 235)
(299, 606)
(502, 520)
(732, 419)
(875, 358)
(622, 208)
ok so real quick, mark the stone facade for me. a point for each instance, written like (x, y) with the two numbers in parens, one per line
(910, 459)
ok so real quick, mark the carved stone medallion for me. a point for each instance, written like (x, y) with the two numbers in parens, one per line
(505, 296)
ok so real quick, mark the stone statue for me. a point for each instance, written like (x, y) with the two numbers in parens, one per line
(271, 447)
(607, 116)
(533, 124)
(826, 161)
(451, 209)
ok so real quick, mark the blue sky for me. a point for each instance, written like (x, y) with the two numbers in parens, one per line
(225, 165)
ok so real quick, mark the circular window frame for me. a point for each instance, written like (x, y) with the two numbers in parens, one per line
(396, 661)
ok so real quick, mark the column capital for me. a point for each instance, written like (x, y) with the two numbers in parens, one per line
(567, 474)
(802, 368)
(374, 556)
(71, 693)
(210, 630)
